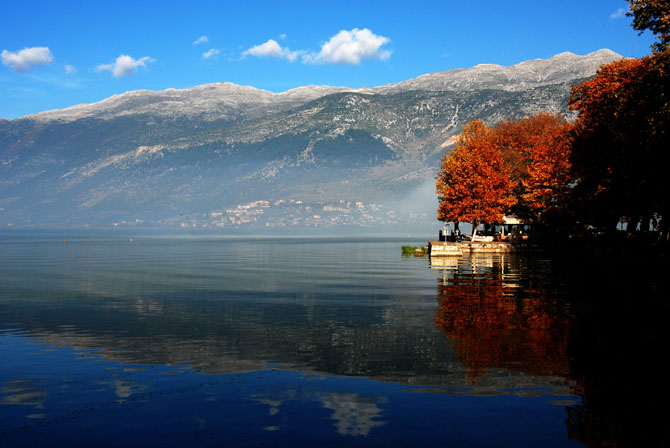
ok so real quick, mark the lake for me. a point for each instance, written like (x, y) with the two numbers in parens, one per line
(140, 340)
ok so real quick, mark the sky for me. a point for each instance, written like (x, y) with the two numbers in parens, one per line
(56, 54)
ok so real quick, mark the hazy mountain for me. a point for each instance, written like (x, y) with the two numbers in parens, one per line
(222, 155)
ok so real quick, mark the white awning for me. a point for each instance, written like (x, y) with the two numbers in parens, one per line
(513, 219)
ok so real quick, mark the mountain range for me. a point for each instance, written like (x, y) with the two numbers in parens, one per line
(224, 156)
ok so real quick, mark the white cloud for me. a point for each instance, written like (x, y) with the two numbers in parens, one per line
(70, 69)
(269, 48)
(201, 40)
(27, 59)
(272, 49)
(619, 13)
(124, 65)
(346, 47)
(350, 47)
(210, 53)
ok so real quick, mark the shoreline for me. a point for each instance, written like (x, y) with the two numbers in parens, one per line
(618, 248)
(449, 248)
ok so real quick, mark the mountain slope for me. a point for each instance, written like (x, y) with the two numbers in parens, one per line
(222, 155)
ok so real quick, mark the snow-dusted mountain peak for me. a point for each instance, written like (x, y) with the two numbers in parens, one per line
(223, 100)
(524, 75)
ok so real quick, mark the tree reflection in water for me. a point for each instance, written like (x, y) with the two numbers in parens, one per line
(494, 324)
(599, 325)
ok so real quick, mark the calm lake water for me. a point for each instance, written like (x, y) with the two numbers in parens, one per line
(203, 341)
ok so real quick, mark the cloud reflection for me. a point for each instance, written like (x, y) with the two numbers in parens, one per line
(354, 414)
(24, 392)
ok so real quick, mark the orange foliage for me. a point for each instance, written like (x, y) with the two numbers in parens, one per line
(490, 170)
(621, 138)
(600, 98)
(537, 152)
(600, 102)
(652, 15)
(473, 184)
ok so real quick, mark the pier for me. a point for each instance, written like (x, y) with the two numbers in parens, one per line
(451, 249)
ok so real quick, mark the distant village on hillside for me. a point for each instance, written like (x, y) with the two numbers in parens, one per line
(293, 213)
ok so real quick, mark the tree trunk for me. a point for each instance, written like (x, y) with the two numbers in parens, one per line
(664, 230)
(644, 226)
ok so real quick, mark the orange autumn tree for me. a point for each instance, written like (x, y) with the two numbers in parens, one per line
(620, 143)
(518, 165)
(622, 135)
(473, 184)
(602, 157)
(536, 151)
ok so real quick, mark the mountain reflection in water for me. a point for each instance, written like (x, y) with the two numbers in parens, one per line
(290, 332)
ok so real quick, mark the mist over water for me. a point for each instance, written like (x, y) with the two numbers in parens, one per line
(416, 210)
(419, 201)
(422, 202)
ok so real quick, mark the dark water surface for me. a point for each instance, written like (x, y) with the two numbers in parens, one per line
(159, 341)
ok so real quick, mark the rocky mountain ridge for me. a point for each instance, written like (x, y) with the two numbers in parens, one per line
(206, 100)
(222, 155)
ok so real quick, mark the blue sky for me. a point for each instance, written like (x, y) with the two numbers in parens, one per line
(58, 54)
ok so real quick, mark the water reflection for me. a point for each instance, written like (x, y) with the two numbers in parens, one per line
(126, 388)
(574, 340)
(24, 392)
(353, 414)
(495, 321)
(596, 326)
